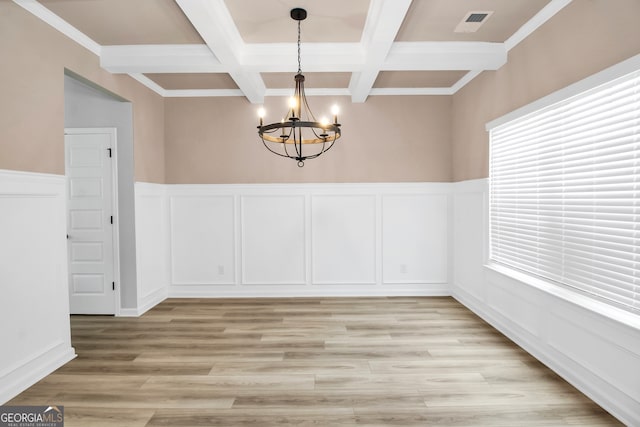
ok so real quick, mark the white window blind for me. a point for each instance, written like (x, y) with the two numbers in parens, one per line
(565, 192)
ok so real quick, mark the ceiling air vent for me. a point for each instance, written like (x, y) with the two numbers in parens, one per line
(472, 21)
(476, 17)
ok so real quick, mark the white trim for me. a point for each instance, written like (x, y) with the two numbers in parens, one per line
(316, 188)
(316, 57)
(141, 78)
(299, 291)
(310, 92)
(38, 178)
(212, 19)
(59, 24)
(200, 93)
(623, 317)
(616, 71)
(32, 371)
(464, 80)
(161, 58)
(445, 56)
(130, 312)
(147, 303)
(479, 185)
(384, 19)
(379, 242)
(147, 190)
(534, 23)
(116, 221)
(401, 91)
(410, 91)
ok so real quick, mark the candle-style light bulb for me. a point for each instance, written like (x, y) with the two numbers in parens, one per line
(261, 114)
(324, 122)
(335, 110)
(293, 103)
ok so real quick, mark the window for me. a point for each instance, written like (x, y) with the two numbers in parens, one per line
(565, 192)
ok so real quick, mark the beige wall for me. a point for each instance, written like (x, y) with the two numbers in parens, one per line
(34, 57)
(585, 37)
(386, 139)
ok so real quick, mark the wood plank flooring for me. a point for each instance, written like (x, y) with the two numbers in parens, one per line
(328, 362)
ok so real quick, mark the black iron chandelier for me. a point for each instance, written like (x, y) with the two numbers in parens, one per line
(299, 135)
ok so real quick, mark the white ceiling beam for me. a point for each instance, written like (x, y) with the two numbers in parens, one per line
(182, 58)
(59, 24)
(464, 80)
(320, 57)
(212, 20)
(383, 22)
(315, 57)
(141, 78)
(409, 91)
(445, 56)
(203, 93)
(546, 13)
(327, 57)
(335, 91)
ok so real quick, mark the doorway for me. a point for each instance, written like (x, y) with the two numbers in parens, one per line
(92, 238)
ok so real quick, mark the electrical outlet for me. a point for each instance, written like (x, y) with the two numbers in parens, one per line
(221, 270)
(403, 268)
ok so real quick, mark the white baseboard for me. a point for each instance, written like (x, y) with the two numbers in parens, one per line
(23, 377)
(146, 304)
(298, 291)
(129, 312)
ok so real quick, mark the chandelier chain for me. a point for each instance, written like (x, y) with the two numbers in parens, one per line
(299, 62)
(299, 135)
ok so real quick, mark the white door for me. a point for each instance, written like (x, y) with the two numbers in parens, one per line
(89, 167)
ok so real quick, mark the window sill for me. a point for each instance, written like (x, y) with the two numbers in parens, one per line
(593, 305)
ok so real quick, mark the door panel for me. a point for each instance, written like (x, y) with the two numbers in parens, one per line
(89, 173)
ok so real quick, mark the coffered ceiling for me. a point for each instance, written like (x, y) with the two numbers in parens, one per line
(248, 48)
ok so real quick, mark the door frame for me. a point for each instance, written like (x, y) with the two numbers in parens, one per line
(114, 202)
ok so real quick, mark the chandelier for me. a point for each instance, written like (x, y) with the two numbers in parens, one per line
(299, 135)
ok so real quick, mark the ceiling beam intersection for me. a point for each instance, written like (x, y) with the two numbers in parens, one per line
(212, 20)
(383, 22)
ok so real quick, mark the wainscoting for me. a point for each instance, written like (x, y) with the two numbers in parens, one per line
(303, 240)
(34, 300)
(594, 348)
(295, 240)
(152, 247)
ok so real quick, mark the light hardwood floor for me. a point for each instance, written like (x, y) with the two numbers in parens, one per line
(329, 362)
